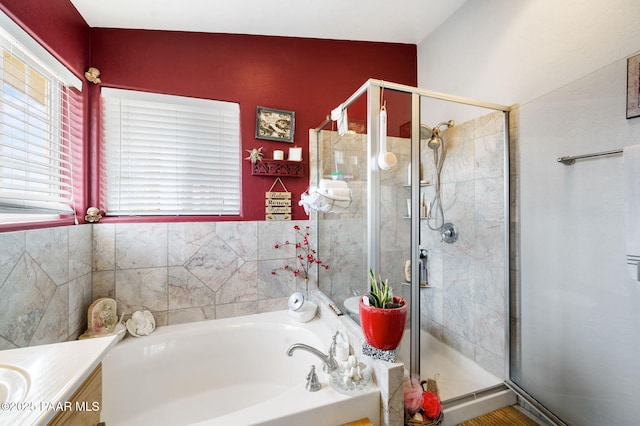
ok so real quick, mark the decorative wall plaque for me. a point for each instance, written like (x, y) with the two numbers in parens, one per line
(278, 204)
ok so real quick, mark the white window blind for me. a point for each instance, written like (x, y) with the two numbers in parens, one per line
(40, 134)
(169, 155)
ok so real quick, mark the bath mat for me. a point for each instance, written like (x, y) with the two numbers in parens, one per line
(507, 416)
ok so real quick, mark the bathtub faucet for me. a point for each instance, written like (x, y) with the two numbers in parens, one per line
(329, 362)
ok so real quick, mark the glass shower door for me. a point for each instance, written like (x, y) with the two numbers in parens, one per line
(456, 333)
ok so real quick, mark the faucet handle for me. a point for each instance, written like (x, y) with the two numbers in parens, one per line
(313, 384)
(332, 364)
(332, 348)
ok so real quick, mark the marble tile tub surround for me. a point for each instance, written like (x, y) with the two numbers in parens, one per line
(45, 285)
(184, 272)
(181, 272)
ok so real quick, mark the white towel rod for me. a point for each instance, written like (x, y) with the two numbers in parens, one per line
(568, 160)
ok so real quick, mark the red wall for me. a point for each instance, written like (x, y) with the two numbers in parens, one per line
(57, 25)
(308, 76)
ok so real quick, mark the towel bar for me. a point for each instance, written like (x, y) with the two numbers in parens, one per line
(568, 160)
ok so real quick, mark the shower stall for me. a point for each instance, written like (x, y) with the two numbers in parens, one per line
(433, 218)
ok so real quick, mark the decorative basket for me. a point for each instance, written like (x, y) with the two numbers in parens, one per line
(429, 385)
(428, 422)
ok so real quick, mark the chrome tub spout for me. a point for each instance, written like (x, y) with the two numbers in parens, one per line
(328, 361)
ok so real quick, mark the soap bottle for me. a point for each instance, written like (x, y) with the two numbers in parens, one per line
(424, 279)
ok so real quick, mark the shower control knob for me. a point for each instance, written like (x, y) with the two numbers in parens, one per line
(449, 233)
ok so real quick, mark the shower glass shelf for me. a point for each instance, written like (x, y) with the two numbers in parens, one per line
(422, 184)
(421, 285)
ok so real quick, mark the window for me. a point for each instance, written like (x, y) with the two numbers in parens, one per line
(40, 132)
(169, 155)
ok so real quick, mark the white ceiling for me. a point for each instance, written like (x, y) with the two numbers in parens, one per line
(399, 21)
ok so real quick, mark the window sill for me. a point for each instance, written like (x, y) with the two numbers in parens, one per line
(169, 219)
(26, 226)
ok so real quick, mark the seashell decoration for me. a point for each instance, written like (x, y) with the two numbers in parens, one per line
(93, 75)
(93, 215)
(141, 324)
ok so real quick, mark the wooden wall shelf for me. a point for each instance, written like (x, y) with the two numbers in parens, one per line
(278, 168)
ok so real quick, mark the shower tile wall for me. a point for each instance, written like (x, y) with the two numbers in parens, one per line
(45, 285)
(182, 272)
(465, 307)
(514, 233)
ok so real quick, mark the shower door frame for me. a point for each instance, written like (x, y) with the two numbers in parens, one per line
(372, 88)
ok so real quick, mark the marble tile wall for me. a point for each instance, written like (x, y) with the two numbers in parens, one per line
(465, 307)
(181, 272)
(45, 285)
(514, 234)
(184, 272)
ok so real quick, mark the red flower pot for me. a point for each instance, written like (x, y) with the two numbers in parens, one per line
(383, 328)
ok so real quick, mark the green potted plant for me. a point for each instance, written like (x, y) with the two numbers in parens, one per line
(382, 315)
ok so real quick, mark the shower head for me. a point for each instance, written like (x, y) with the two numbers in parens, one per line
(432, 135)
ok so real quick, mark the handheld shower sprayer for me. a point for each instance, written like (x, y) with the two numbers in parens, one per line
(435, 141)
(437, 144)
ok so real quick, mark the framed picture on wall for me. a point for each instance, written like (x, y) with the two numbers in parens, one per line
(275, 124)
(633, 86)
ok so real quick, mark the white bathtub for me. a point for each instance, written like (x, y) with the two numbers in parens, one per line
(226, 372)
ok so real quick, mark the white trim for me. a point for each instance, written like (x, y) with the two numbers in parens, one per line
(30, 47)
